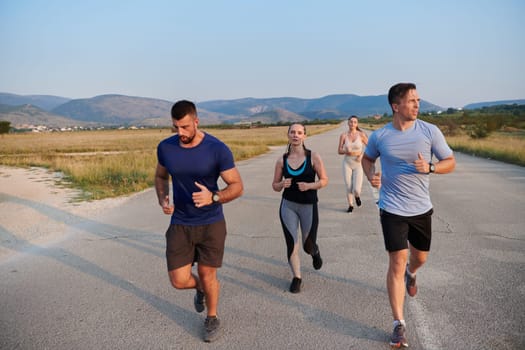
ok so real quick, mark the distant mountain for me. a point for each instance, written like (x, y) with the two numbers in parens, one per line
(113, 110)
(276, 116)
(493, 103)
(109, 110)
(45, 102)
(26, 115)
(338, 106)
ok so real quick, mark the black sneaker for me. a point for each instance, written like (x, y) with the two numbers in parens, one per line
(198, 301)
(398, 340)
(317, 262)
(350, 209)
(358, 201)
(212, 327)
(295, 287)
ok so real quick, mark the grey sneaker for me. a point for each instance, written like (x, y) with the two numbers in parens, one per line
(398, 340)
(410, 284)
(198, 301)
(212, 327)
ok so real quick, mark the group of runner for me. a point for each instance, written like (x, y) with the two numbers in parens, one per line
(409, 150)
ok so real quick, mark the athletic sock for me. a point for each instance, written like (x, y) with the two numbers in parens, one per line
(412, 275)
(398, 322)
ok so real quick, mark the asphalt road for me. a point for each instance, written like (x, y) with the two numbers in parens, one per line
(105, 285)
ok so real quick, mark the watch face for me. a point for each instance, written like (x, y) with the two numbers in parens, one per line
(215, 197)
(432, 168)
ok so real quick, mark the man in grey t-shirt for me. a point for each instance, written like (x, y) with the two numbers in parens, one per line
(405, 147)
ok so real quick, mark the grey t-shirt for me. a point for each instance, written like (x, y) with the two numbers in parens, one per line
(404, 191)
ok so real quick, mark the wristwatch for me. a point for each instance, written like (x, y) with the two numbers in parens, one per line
(431, 168)
(215, 197)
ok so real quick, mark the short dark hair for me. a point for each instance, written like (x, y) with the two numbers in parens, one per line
(398, 91)
(182, 108)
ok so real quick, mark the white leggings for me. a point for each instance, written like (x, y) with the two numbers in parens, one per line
(353, 175)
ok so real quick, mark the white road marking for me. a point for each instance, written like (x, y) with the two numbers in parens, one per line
(421, 324)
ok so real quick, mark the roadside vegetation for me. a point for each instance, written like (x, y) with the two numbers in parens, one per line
(496, 132)
(109, 163)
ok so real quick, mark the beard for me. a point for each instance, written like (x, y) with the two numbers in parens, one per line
(186, 139)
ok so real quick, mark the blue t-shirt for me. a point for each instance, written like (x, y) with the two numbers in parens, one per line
(404, 191)
(203, 164)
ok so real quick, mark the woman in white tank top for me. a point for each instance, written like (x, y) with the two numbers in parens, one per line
(352, 144)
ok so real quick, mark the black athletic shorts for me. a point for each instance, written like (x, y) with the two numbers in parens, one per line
(399, 230)
(203, 244)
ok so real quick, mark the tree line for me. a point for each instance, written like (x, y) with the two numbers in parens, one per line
(477, 123)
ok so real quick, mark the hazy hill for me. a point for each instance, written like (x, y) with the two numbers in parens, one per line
(45, 102)
(127, 110)
(318, 108)
(22, 116)
(115, 109)
(493, 103)
(275, 116)
(131, 110)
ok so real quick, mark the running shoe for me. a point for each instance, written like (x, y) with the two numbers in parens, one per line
(317, 262)
(358, 201)
(350, 209)
(198, 301)
(295, 286)
(410, 283)
(212, 327)
(398, 340)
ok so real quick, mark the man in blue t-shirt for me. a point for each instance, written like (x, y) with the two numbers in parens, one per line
(406, 147)
(197, 232)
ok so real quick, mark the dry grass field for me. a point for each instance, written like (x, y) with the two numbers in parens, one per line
(506, 145)
(503, 146)
(111, 163)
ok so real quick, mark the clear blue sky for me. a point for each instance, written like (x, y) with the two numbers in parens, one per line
(456, 51)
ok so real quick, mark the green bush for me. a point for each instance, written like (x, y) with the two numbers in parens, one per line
(5, 126)
(479, 130)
